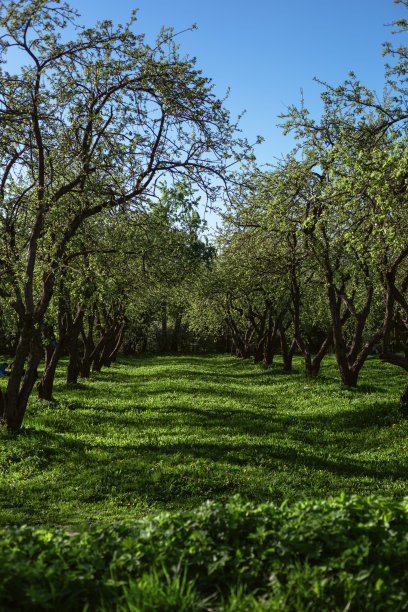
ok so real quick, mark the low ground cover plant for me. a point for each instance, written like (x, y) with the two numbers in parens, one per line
(348, 553)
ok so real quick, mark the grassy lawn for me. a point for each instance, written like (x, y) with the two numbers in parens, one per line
(167, 433)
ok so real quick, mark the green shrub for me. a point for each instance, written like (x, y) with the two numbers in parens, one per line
(344, 553)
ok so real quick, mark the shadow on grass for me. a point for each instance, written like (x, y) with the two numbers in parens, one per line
(236, 424)
(163, 470)
(84, 451)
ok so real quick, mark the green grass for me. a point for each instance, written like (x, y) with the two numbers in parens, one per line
(167, 433)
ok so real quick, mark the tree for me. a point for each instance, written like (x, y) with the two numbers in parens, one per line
(112, 269)
(265, 237)
(88, 125)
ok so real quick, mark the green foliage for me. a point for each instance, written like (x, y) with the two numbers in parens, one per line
(343, 553)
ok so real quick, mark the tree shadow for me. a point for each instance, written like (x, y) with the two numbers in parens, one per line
(96, 457)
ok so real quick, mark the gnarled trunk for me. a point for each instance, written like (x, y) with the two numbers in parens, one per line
(286, 350)
(115, 351)
(271, 340)
(46, 385)
(21, 382)
(89, 347)
(350, 361)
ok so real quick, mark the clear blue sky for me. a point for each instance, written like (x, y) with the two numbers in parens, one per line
(267, 51)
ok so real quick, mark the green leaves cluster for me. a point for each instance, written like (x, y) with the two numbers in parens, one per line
(344, 552)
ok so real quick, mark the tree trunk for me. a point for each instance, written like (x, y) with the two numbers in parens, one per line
(89, 347)
(112, 345)
(259, 351)
(270, 342)
(347, 374)
(312, 365)
(114, 353)
(164, 339)
(99, 351)
(105, 352)
(287, 352)
(74, 364)
(176, 333)
(404, 400)
(46, 384)
(350, 361)
(52, 353)
(21, 383)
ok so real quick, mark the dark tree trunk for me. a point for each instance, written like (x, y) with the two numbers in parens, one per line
(163, 338)
(246, 352)
(89, 347)
(392, 295)
(404, 400)
(387, 356)
(46, 384)
(270, 340)
(100, 350)
(287, 352)
(312, 365)
(349, 361)
(247, 340)
(242, 339)
(238, 347)
(259, 351)
(176, 333)
(69, 329)
(269, 353)
(20, 383)
(52, 354)
(105, 362)
(111, 348)
(113, 355)
(113, 340)
(47, 336)
(347, 374)
(258, 331)
(97, 356)
(74, 364)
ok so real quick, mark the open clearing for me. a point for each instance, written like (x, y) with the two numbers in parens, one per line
(167, 433)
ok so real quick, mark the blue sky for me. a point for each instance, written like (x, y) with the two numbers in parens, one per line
(267, 51)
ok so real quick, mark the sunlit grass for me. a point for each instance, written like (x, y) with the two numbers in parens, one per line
(169, 432)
